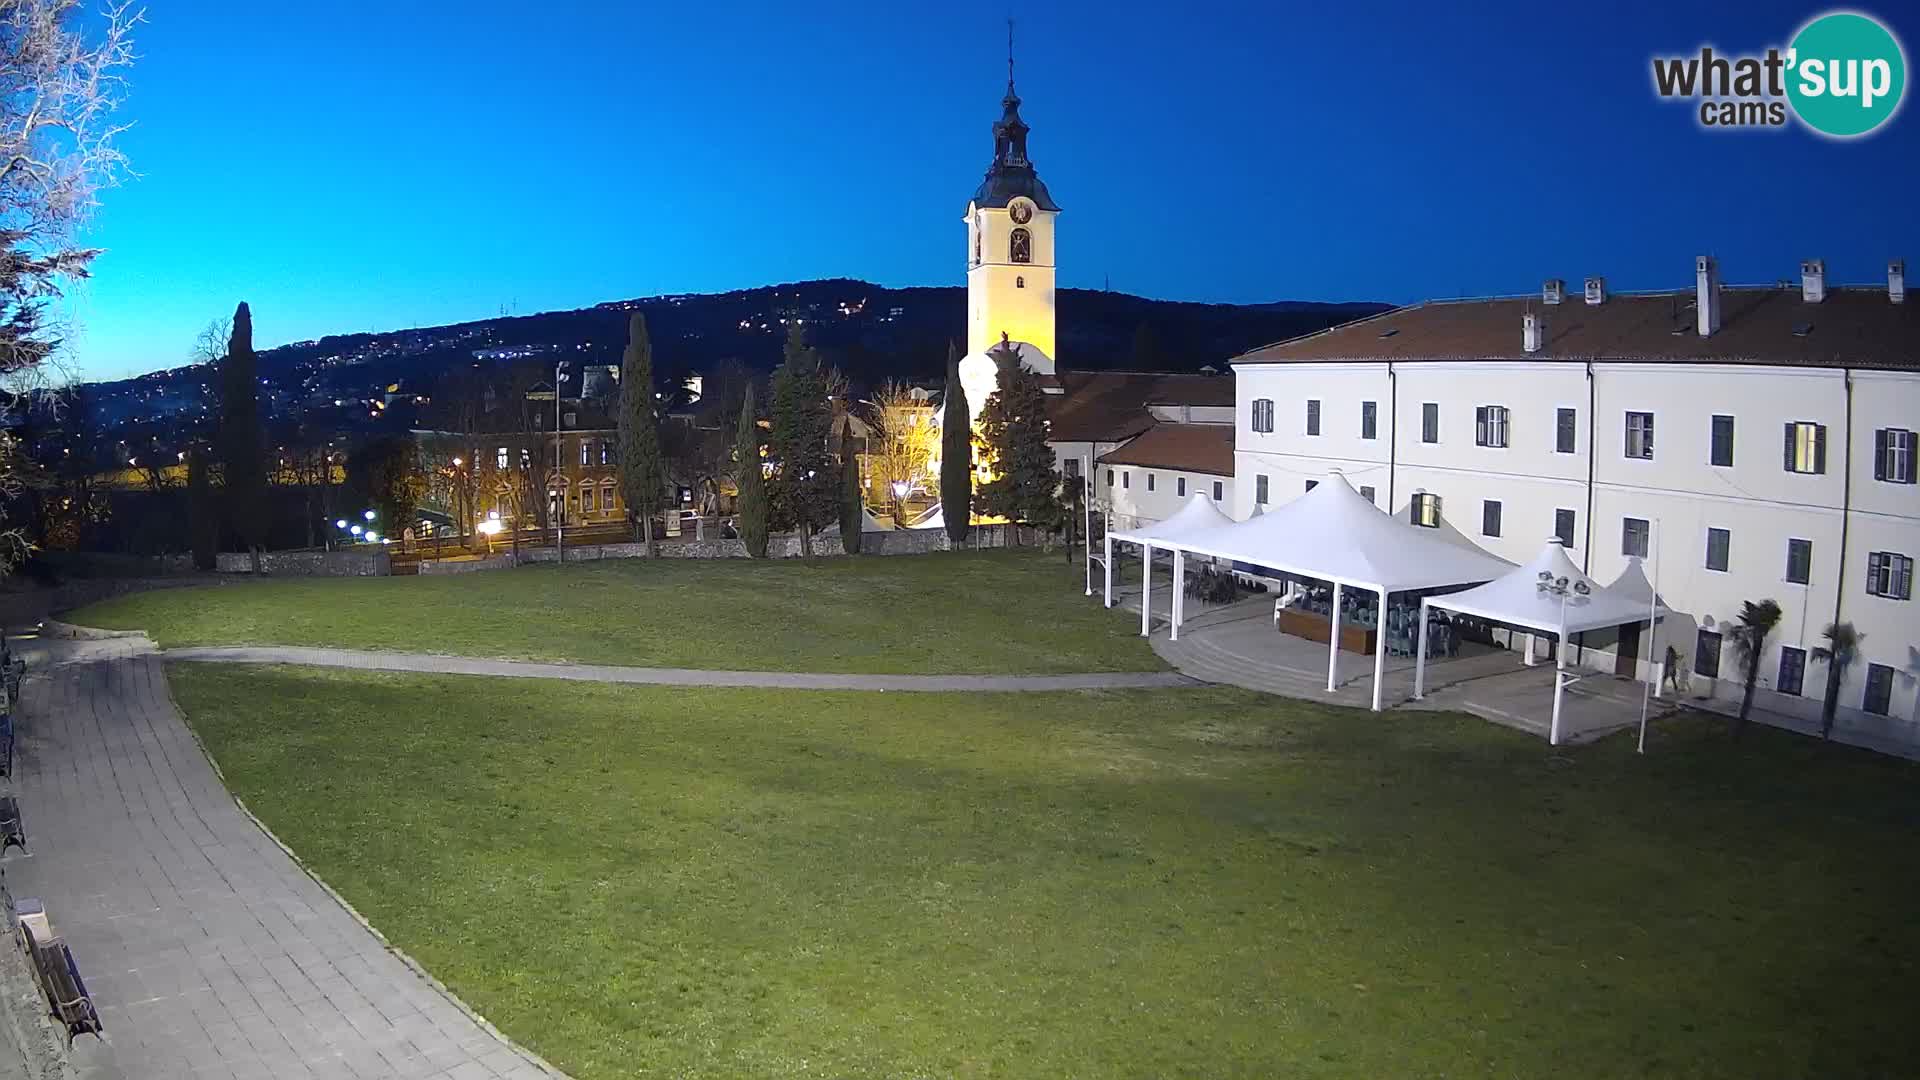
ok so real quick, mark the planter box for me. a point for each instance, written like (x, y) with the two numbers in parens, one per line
(1306, 624)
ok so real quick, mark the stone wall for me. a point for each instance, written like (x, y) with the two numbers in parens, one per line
(353, 562)
(785, 546)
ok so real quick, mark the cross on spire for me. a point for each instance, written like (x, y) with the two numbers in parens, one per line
(1009, 55)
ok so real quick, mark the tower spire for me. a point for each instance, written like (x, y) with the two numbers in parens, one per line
(1010, 56)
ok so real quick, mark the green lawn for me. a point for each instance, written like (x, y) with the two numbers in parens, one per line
(995, 612)
(1207, 883)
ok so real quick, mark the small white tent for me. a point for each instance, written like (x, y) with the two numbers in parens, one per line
(1198, 515)
(1551, 595)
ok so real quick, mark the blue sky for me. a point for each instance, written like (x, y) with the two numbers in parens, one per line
(348, 167)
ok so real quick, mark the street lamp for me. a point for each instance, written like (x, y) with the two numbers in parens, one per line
(368, 515)
(1567, 592)
(559, 460)
(356, 530)
(340, 524)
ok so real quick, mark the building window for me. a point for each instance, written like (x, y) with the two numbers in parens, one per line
(586, 451)
(1490, 517)
(1718, 541)
(500, 458)
(586, 500)
(526, 458)
(1490, 425)
(1426, 510)
(1722, 441)
(1799, 561)
(1109, 478)
(606, 498)
(1633, 537)
(1879, 696)
(1563, 429)
(1366, 492)
(1020, 282)
(1180, 486)
(1430, 422)
(606, 452)
(1806, 447)
(1260, 489)
(1793, 670)
(1563, 527)
(1369, 420)
(1219, 491)
(1893, 455)
(1149, 481)
(1022, 243)
(1263, 414)
(1126, 480)
(1640, 435)
(1890, 574)
(1313, 416)
(1706, 655)
(1311, 484)
(1070, 468)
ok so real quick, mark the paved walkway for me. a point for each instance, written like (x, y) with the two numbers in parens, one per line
(788, 680)
(209, 952)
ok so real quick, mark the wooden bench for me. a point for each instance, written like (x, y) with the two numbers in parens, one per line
(60, 979)
(12, 831)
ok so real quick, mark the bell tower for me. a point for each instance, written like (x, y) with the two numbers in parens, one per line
(1010, 248)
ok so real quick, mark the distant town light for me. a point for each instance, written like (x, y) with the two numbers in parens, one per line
(355, 530)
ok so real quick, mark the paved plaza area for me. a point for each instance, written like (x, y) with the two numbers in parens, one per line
(209, 952)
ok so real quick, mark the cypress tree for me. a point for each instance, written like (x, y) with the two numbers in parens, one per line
(240, 443)
(956, 454)
(1013, 423)
(643, 472)
(851, 504)
(751, 501)
(803, 493)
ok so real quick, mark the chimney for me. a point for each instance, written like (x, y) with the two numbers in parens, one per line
(1596, 291)
(1813, 280)
(1533, 332)
(1897, 281)
(1553, 290)
(1706, 294)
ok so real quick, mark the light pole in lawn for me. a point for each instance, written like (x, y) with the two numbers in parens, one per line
(559, 478)
(1575, 593)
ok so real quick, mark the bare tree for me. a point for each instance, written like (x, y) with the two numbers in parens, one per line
(211, 346)
(904, 442)
(59, 89)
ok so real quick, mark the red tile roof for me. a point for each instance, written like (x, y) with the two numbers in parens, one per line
(1201, 448)
(1853, 327)
(1107, 406)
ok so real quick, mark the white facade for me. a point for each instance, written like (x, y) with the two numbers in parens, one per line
(1138, 495)
(1754, 502)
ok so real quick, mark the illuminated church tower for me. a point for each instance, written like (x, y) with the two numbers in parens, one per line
(1009, 257)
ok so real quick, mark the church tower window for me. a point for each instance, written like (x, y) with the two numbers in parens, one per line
(1022, 246)
(1019, 283)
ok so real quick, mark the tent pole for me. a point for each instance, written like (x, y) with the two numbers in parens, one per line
(1333, 641)
(1146, 589)
(1380, 648)
(1527, 657)
(1107, 569)
(1420, 656)
(1559, 684)
(1179, 592)
(1086, 515)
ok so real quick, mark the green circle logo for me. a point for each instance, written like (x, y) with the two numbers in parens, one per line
(1846, 74)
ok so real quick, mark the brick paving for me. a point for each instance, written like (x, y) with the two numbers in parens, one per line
(209, 952)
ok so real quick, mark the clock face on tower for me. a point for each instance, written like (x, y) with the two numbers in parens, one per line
(1022, 211)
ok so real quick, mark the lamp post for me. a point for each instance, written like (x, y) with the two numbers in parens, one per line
(1568, 592)
(559, 489)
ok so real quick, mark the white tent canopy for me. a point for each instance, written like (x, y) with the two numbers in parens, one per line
(1549, 594)
(1199, 513)
(1331, 534)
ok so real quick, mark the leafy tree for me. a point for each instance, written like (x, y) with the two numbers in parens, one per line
(1839, 653)
(643, 472)
(203, 516)
(751, 503)
(1146, 348)
(1013, 423)
(239, 442)
(852, 506)
(389, 475)
(956, 454)
(1750, 643)
(803, 491)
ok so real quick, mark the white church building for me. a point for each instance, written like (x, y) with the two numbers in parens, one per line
(1745, 443)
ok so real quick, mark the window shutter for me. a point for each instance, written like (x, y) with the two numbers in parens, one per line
(1788, 462)
(1820, 448)
(1874, 561)
(1905, 589)
(1880, 454)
